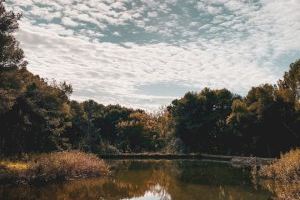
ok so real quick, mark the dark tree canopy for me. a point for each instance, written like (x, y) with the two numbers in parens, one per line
(201, 117)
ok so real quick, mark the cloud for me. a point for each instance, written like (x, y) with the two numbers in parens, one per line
(131, 52)
(69, 22)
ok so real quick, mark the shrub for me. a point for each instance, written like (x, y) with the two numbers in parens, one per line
(64, 166)
(284, 176)
(286, 169)
(282, 191)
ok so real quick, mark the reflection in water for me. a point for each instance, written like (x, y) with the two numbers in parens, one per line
(154, 193)
(282, 190)
(150, 180)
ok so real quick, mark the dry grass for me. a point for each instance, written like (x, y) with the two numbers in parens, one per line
(283, 176)
(55, 166)
(282, 191)
(14, 166)
(286, 169)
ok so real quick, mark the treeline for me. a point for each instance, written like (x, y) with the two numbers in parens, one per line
(38, 116)
(265, 122)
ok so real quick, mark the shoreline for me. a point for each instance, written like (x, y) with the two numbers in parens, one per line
(234, 160)
(10, 176)
(52, 167)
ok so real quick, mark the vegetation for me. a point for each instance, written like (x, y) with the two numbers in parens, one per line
(38, 116)
(265, 122)
(283, 176)
(282, 191)
(286, 169)
(53, 167)
(12, 167)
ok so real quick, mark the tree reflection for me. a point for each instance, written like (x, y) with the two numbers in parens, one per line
(151, 180)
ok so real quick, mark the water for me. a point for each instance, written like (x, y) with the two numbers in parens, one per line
(150, 180)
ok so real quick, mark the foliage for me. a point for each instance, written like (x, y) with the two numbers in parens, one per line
(200, 118)
(94, 125)
(264, 123)
(65, 165)
(286, 169)
(115, 129)
(267, 119)
(282, 191)
(140, 133)
(33, 111)
(55, 166)
(38, 116)
(283, 176)
(11, 56)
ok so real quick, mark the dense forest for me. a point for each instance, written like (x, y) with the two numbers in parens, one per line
(38, 116)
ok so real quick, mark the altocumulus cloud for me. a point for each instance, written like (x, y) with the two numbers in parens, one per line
(144, 53)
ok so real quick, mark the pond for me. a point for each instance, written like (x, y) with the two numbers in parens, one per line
(150, 180)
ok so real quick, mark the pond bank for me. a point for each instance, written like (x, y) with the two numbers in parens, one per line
(50, 167)
(54, 166)
(234, 160)
(151, 179)
(283, 175)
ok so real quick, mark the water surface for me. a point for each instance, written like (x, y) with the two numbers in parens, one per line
(150, 180)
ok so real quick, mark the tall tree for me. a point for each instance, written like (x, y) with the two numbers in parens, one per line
(200, 118)
(33, 113)
(11, 55)
(265, 121)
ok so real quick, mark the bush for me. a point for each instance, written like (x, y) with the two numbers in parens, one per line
(286, 169)
(64, 166)
(283, 176)
(282, 191)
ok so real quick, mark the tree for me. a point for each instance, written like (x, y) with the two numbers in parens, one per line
(139, 133)
(200, 118)
(11, 55)
(242, 125)
(291, 80)
(264, 120)
(34, 114)
(38, 115)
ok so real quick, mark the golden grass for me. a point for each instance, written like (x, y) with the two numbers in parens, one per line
(66, 165)
(286, 169)
(14, 166)
(283, 176)
(55, 166)
(282, 191)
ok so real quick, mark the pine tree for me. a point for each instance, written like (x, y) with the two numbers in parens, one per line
(11, 55)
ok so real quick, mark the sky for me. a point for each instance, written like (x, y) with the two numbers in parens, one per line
(145, 53)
